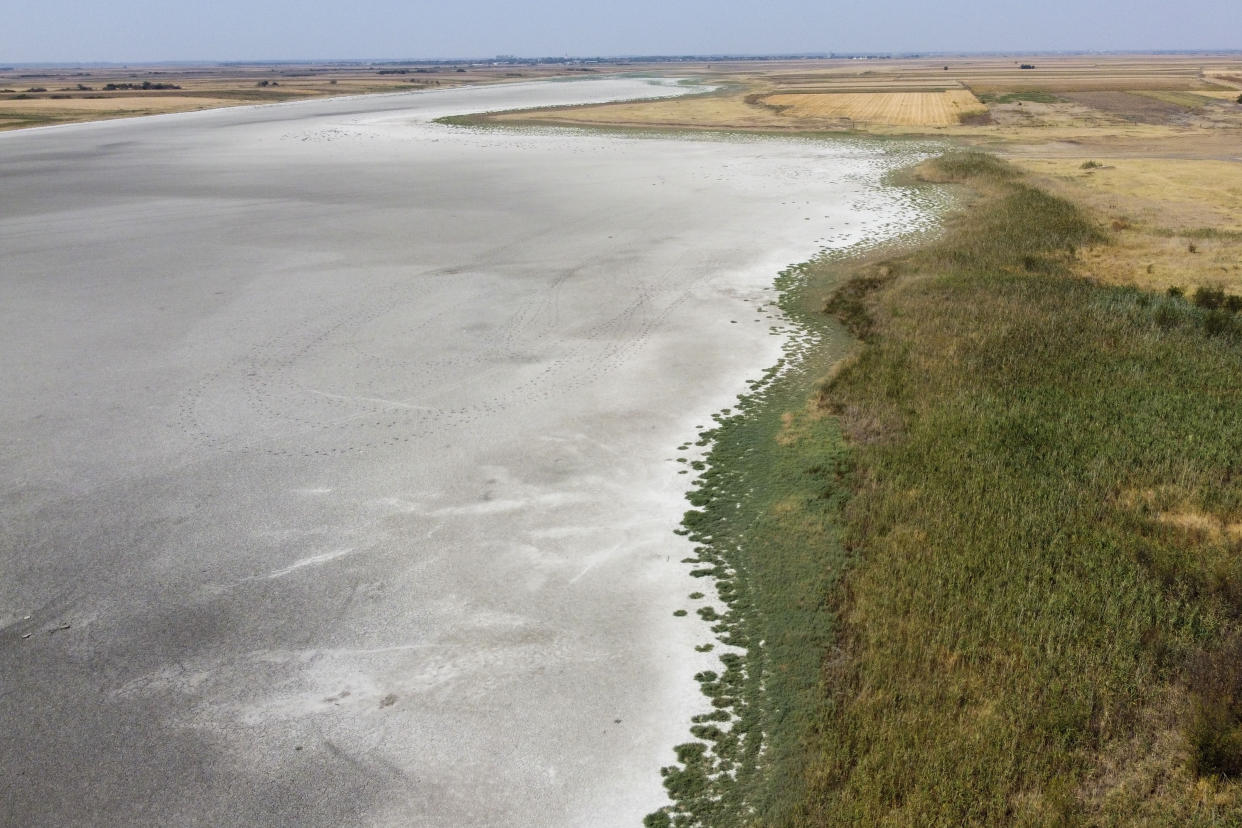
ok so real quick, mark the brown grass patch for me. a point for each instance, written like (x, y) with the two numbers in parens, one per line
(1131, 106)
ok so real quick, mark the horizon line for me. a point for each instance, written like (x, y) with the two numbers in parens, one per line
(879, 54)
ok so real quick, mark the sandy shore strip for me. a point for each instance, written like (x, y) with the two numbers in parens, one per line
(341, 477)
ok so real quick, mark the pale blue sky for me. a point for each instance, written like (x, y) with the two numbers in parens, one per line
(146, 30)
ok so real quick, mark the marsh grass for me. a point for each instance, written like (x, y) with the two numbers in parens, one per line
(1045, 564)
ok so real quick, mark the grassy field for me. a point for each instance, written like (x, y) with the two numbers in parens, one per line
(1041, 626)
(993, 557)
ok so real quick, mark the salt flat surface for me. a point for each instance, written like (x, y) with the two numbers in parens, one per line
(337, 483)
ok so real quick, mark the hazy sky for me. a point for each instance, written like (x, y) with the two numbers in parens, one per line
(146, 30)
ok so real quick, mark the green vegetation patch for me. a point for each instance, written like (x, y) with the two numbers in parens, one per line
(1040, 626)
(766, 516)
(1032, 96)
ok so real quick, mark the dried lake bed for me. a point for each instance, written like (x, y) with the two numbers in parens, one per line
(339, 481)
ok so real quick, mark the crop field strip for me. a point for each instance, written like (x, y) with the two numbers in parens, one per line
(902, 108)
(991, 77)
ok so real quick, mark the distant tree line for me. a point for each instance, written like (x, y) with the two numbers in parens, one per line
(113, 87)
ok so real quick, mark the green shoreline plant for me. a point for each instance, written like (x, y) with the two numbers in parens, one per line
(765, 519)
(758, 496)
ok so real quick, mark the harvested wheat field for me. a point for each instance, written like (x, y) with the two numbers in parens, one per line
(898, 108)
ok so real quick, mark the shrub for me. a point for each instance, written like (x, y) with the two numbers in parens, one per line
(1091, 165)
(1209, 298)
(145, 85)
(960, 166)
(1167, 315)
(1219, 323)
(1175, 292)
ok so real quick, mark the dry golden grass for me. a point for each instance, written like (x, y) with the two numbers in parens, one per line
(899, 108)
(1175, 222)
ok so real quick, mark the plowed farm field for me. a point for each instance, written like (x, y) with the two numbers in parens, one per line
(900, 108)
